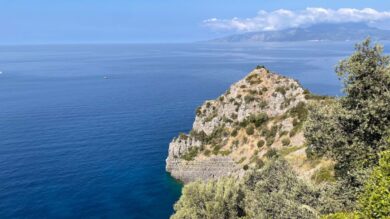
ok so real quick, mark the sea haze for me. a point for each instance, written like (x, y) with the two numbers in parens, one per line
(84, 129)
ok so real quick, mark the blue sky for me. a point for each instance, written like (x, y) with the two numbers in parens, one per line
(77, 21)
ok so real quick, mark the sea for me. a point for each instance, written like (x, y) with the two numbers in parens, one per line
(85, 128)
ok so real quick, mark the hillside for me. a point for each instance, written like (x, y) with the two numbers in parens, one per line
(320, 32)
(256, 118)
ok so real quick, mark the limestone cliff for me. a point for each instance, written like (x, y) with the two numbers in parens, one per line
(256, 117)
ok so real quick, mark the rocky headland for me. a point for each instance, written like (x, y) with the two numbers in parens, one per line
(257, 117)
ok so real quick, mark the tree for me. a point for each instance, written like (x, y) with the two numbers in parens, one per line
(366, 105)
(276, 192)
(352, 131)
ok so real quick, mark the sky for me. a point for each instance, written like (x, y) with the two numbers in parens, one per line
(169, 21)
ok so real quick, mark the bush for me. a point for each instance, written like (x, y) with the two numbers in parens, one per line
(234, 132)
(324, 174)
(216, 149)
(245, 167)
(214, 199)
(281, 90)
(341, 215)
(276, 192)
(199, 111)
(273, 191)
(259, 163)
(250, 130)
(375, 200)
(270, 141)
(271, 153)
(260, 66)
(260, 143)
(249, 98)
(190, 154)
(300, 111)
(286, 141)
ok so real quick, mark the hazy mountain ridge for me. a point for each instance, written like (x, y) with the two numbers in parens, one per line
(320, 32)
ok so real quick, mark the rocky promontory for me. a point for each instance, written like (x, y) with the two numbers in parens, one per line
(258, 116)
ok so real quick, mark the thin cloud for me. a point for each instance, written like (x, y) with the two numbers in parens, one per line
(282, 19)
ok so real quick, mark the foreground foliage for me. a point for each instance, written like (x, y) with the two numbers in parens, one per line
(375, 199)
(353, 129)
(274, 191)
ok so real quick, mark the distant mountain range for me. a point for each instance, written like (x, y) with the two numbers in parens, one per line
(320, 32)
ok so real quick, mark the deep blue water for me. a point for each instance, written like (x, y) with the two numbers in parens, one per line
(76, 145)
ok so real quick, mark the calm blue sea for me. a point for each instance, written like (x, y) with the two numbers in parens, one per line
(84, 129)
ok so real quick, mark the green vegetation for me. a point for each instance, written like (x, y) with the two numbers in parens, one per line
(281, 90)
(353, 129)
(260, 143)
(273, 191)
(254, 79)
(324, 174)
(286, 141)
(250, 130)
(191, 154)
(260, 66)
(271, 153)
(216, 199)
(375, 200)
(249, 98)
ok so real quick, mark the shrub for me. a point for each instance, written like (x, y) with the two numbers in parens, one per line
(286, 141)
(225, 152)
(342, 215)
(260, 143)
(214, 199)
(250, 130)
(245, 167)
(216, 149)
(260, 66)
(207, 152)
(249, 98)
(324, 174)
(276, 192)
(190, 154)
(269, 140)
(281, 90)
(260, 119)
(300, 111)
(199, 111)
(259, 163)
(375, 199)
(234, 132)
(271, 153)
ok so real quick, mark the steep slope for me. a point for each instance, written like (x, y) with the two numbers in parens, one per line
(257, 117)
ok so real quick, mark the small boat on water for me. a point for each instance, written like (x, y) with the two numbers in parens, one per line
(105, 77)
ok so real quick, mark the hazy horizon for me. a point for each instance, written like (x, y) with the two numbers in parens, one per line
(172, 21)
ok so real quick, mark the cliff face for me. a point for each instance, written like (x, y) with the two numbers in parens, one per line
(258, 114)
